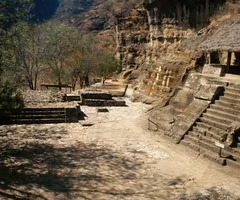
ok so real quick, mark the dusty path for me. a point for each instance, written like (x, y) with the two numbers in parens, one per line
(116, 158)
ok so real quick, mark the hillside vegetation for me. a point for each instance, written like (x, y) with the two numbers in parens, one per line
(93, 15)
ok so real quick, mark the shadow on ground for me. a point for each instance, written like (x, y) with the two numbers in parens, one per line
(34, 165)
(35, 170)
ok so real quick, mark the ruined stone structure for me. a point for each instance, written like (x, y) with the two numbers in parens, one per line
(99, 98)
(187, 74)
(222, 49)
(41, 106)
(149, 38)
(203, 114)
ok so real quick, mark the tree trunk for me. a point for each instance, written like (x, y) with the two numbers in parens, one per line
(74, 82)
(35, 81)
(86, 80)
(103, 80)
(81, 82)
(30, 83)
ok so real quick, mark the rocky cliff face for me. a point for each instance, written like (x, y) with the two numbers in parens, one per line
(151, 35)
(148, 37)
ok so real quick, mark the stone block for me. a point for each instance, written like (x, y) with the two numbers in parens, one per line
(94, 102)
(72, 114)
(208, 92)
(217, 70)
(102, 110)
(96, 95)
(69, 97)
(182, 99)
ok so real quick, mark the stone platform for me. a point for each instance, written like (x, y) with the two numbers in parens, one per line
(100, 98)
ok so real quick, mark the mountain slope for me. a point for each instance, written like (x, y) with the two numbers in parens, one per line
(70, 8)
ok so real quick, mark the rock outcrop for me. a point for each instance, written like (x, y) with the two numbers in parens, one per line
(149, 39)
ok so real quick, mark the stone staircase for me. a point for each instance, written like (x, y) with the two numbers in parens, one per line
(210, 128)
(43, 116)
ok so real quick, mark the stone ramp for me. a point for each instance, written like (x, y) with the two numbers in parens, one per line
(211, 128)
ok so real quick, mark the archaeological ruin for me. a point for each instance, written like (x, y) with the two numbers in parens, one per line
(203, 113)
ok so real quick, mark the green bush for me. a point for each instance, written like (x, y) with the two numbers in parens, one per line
(11, 101)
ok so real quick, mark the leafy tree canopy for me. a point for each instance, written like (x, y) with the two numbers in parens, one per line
(11, 11)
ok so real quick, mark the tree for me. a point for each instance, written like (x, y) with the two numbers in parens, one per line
(89, 60)
(11, 11)
(104, 64)
(78, 65)
(60, 39)
(29, 51)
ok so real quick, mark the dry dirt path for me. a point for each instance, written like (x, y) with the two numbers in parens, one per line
(116, 158)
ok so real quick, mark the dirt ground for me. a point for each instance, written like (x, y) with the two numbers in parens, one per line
(115, 158)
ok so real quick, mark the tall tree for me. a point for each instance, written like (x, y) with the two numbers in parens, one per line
(11, 11)
(29, 51)
(60, 39)
(103, 63)
(78, 67)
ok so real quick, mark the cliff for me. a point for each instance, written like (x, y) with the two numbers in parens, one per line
(151, 41)
(154, 40)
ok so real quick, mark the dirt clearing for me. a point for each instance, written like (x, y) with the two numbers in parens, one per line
(115, 158)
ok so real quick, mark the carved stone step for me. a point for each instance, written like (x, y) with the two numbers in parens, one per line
(232, 95)
(208, 133)
(203, 144)
(232, 90)
(207, 154)
(53, 112)
(191, 145)
(37, 121)
(207, 139)
(223, 114)
(215, 158)
(199, 136)
(219, 120)
(209, 148)
(214, 123)
(44, 115)
(230, 100)
(208, 127)
(234, 164)
(233, 151)
(226, 109)
(209, 144)
(224, 103)
(38, 116)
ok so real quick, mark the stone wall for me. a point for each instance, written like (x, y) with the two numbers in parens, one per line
(36, 97)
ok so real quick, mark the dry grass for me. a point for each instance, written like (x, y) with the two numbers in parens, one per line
(225, 38)
(226, 12)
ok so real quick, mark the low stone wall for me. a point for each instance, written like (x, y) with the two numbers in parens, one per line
(100, 98)
(99, 102)
(35, 97)
(96, 95)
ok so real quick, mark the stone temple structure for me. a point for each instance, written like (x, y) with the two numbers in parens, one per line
(204, 113)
